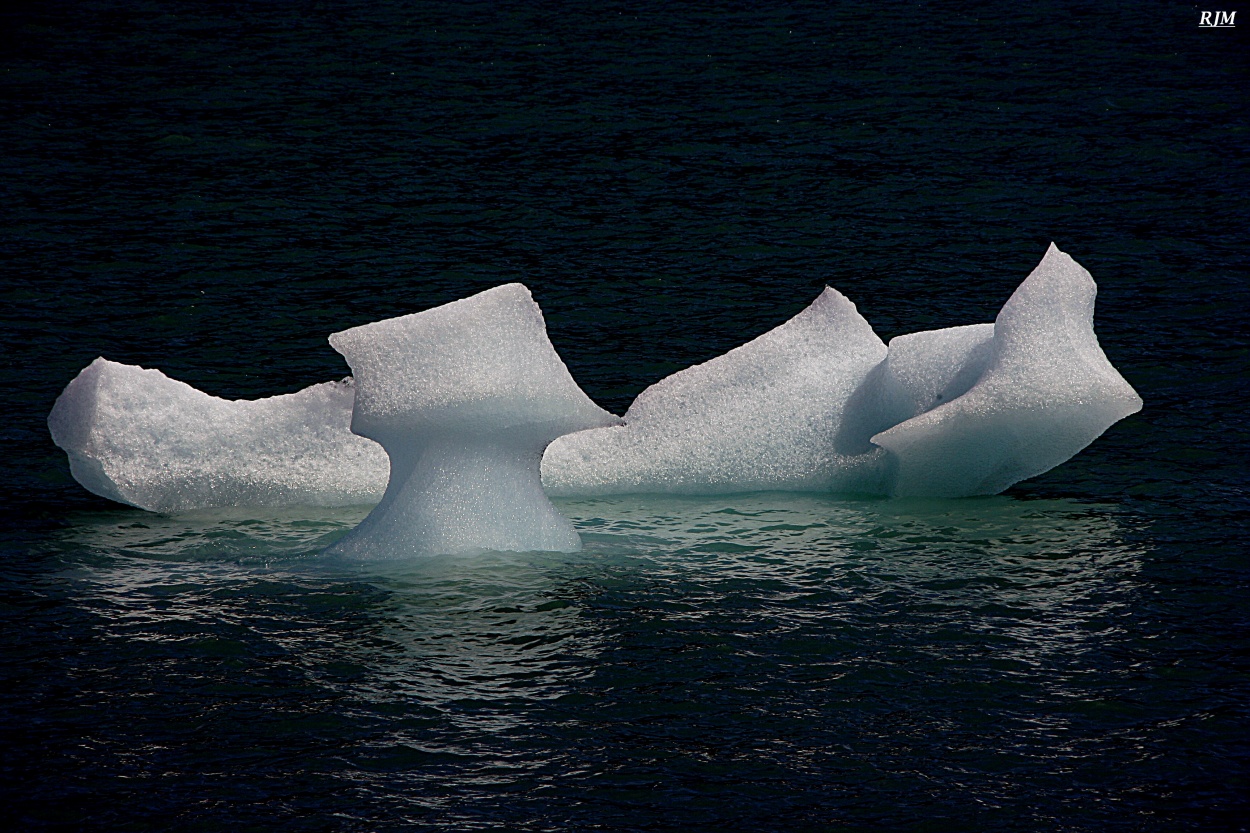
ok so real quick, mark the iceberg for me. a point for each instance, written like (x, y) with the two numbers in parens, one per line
(820, 404)
(464, 398)
(138, 437)
(763, 416)
(1043, 391)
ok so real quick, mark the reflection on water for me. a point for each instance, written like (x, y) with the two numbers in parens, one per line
(796, 640)
(219, 535)
(1035, 571)
(440, 631)
(502, 627)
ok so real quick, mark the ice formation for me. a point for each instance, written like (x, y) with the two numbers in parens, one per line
(763, 416)
(464, 398)
(1043, 391)
(138, 437)
(820, 403)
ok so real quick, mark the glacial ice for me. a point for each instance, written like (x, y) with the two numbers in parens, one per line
(761, 417)
(1046, 391)
(138, 437)
(464, 398)
(820, 404)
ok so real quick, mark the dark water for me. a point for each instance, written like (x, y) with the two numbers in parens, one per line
(213, 188)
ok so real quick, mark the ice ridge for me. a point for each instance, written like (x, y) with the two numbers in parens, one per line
(761, 417)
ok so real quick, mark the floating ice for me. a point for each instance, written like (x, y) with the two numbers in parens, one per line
(763, 416)
(1046, 392)
(820, 404)
(138, 437)
(463, 398)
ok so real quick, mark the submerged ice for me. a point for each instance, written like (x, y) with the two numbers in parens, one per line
(465, 397)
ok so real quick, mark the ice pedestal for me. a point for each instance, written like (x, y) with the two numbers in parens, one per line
(464, 398)
(764, 416)
(138, 437)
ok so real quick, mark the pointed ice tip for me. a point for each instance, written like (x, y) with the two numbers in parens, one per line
(830, 298)
(1053, 258)
(1057, 258)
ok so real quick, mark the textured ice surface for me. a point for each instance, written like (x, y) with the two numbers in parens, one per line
(1046, 391)
(920, 371)
(763, 416)
(138, 437)
(464, 398)
(820, 404)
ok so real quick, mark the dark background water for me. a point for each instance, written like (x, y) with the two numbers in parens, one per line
(212, 188)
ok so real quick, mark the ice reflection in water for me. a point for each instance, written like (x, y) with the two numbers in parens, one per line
(446, 631)
(743, 617)
(492, 624)
(490, 629)
(1036, 573)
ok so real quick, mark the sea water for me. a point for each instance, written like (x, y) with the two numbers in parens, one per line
(211, 190)
(700, 659)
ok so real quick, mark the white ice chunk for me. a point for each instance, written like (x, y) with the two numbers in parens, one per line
(138, 437)
(1045, 391)
(920, 371)
(464, 398)
(764, 416)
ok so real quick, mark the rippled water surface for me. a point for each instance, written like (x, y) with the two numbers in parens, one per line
(703, 658)
(212, 189)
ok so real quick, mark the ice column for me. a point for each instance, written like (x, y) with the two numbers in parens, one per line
(463, 398)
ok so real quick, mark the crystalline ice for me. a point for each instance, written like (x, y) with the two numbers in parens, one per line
(138, 437)
(1046, 391)
(818, 404)
(464, 398)
(920, 371)
(763, 416)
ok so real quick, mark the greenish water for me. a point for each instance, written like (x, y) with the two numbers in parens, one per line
(212, 189)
